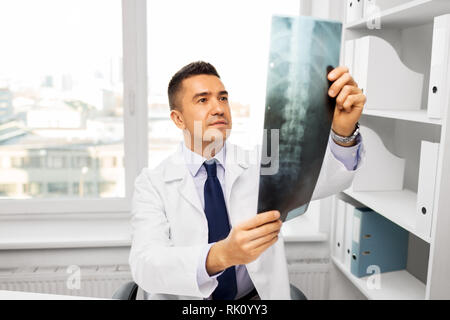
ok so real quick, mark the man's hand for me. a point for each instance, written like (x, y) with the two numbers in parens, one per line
(245, 243)
(350, 101)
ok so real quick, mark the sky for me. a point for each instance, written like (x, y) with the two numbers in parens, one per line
(51, 36)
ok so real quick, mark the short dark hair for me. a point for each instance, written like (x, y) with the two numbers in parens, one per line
(192, 69)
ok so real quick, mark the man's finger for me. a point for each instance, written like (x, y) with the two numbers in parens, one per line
(260, 219)
(349, 102)
(337, 86)
(355, 100)
(345, 92)
(255, 243)
(266, 245)
(337, 72)
(263, 230)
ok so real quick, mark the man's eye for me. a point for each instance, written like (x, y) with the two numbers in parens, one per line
(202, 100)
(224, 98)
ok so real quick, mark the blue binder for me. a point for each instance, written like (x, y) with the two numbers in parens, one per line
(377, 241)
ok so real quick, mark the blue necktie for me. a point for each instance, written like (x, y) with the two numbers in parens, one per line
(219, 228)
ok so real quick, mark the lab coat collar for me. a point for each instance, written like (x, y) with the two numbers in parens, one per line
(194, 161)
(232, 157)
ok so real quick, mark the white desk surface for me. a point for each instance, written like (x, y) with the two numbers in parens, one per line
(20, 295)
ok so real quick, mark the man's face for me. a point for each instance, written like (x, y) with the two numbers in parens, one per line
(205, 111)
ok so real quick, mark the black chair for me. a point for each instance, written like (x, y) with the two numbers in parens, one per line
(128, 291)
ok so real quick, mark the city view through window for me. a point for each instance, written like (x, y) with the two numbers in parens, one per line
(61, 111)
(61, 86)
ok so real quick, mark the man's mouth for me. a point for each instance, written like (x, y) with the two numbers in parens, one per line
(219, 122)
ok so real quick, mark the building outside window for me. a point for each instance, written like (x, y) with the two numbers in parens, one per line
(61, 97)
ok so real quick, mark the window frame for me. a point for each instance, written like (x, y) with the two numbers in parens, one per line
(135, 141)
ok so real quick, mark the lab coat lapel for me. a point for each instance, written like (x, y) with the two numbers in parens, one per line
(235, 165)
(188, 191)
(176, 170)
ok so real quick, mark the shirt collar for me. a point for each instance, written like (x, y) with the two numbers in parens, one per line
(194, 161)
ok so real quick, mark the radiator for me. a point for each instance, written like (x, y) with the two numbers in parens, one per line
(87, 281)
(311, 276)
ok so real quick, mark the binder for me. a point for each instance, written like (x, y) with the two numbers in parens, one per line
(354, 10)
(339, 230)
(374, 59)
(377, 241)
(429, 154)
(349, 55)
(349, 212)
(440, 57)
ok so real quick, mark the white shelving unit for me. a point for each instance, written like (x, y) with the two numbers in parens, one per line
(408, 28)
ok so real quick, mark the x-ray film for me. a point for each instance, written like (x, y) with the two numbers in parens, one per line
(298, 113)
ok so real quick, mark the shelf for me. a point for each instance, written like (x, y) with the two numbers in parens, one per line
(397, 206)
(410, 14)
(395, 285)
(408, 115)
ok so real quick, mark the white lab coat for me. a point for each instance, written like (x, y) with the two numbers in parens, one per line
(170, 229)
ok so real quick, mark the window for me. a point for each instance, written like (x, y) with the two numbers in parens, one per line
(33, 161)
(61, 98)
(57, 188)
(234, 37)
(56, 162)
(74, 78)
(7, 189)
(82, 161)
(33, 188)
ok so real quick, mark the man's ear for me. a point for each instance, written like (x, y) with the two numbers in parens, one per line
(177, 118)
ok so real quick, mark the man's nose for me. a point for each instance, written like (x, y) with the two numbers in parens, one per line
(217, 108)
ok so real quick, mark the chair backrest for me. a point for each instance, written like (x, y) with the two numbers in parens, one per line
(127, 291)
(296, 293)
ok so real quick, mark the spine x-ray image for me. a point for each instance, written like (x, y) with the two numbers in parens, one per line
(302, 52)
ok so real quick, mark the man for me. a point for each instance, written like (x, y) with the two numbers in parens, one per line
(196, 232)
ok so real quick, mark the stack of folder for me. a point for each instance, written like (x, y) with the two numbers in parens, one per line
(365, 241)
